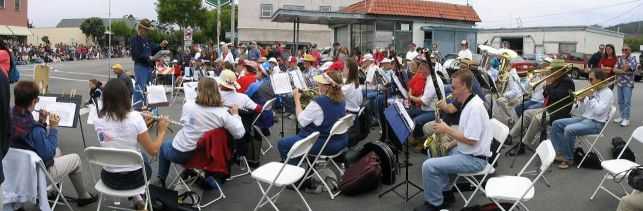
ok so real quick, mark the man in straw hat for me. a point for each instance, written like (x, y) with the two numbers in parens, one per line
(310, 70)
(122, 75)
(142, 50)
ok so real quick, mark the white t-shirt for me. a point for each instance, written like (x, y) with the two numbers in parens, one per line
(121, 135)
(465, 54)
(474, 123)
(199, 120)
(410, 55)
(429, 97)
(244, 102)
(353, 97)
(313, 113)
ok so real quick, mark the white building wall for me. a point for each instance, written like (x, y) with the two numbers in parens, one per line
(253, 27)
(68, 36)
(587, 41)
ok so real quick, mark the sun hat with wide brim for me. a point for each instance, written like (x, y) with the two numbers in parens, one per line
(118, 67)
(228, 79)
(309, 58)
(325, 79)
(251, 65)
(145, 24)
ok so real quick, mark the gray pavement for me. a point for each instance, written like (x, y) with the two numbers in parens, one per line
(570, 189)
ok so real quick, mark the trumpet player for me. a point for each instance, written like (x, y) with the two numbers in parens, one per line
(594, 110)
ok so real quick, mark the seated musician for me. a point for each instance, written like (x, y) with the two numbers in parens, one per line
(555, 89)
(320, 115)
(508, 99)
(537, 100)
(310, 70)
(351, 89)
(118, 126)
(33, 135)
(426, 111)
(260, 92)
(249, 77)
(594, 110)
(473, 138)
(205, 113)
(230, 97)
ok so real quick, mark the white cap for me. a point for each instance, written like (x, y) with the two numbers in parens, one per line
(325, 66)
(368, 57)
(386, 60)
(272, 59)
(463, 42)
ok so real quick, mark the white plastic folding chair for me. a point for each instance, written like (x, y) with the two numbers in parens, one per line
(615, 168)
(586, 139)
(340, 127)
(519, 189)
(283, 174)
(111, 157)
(266, 107)
(500, 133)
(40, 167)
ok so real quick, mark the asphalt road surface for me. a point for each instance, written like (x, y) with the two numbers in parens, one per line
(570, 189)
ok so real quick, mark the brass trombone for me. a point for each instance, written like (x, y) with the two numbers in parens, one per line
(580, 94)
(554, 75)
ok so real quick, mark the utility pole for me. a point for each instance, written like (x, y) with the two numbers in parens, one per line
(232, 22)
(109, 39)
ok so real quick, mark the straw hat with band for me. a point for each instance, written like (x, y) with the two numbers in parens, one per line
(118, 67)
(309, 58)
(145, 24)
(228, 79)
(325, 79)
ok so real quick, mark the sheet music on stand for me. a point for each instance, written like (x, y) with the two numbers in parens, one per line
(156, 95)
(281, 83)
(298, 79)
(399, 121)
(66, 106)
(160, 54)
(400, 87)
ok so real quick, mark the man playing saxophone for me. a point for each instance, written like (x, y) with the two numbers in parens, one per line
(593, 103)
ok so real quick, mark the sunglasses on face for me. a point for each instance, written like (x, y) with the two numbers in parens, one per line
(625, 49)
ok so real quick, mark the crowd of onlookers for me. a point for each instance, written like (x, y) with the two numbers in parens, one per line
(60, 52)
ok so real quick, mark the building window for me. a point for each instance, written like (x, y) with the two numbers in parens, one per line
(1, 4)
(567, 48)
(293, 7)
(266, 10)
(17, 5)
(324, 8)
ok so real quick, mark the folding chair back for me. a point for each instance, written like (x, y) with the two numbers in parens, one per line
(361, 112)
(111, 157)
(500, 132)
(266, 106)
(546, 154)
(637, 134)
(302, 147)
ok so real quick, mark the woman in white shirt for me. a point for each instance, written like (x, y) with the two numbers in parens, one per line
(204, 114)
(118, 126)
(352, 91)
(319, 116)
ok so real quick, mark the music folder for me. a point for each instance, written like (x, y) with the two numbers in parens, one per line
(399, 121)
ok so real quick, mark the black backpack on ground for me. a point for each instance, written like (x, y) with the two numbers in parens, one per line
(363, 176)
(591, 161)
(617, 146)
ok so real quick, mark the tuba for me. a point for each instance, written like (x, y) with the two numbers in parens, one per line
(504, 73)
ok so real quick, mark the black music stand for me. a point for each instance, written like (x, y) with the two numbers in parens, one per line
(402, 130)
(77, 100)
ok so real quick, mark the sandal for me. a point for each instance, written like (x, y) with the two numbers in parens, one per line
(564, 164)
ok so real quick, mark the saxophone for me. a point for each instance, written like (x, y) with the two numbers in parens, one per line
(434, 142)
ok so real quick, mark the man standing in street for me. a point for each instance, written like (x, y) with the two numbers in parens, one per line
(625, 83)
(594, 61)
(253, 52)
(464, 52)
(142, 51)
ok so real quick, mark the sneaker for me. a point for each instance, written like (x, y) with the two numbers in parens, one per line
(625, 123)
(429, 207)
(564, 164)
(618, 120)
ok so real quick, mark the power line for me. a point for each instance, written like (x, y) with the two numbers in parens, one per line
(620, 14)
(563, 12)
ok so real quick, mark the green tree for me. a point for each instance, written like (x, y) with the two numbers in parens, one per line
(634, 42)
(210, 28)
(121, 31)
(183, 13)
(93, 28)
(45, 39)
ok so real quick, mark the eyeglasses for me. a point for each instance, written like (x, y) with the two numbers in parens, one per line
(625, 49)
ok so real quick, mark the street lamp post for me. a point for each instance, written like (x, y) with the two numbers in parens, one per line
(109, 39)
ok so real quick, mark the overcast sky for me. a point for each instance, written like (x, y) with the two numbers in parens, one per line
(494, 13)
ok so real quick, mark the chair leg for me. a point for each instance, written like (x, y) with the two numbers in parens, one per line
(591, 147)
(302, 198)
(600, 185)
(339, 169)
(330, 192)
(61, 196)
(100, 201)
(246, 172)
(473, 181)
(221, 196)
(265, 196)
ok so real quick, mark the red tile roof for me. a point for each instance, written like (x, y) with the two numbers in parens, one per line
(415, 8)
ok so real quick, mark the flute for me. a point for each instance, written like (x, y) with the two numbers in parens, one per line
(158, 117)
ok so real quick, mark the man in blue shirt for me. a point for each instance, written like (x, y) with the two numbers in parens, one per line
(142, 50)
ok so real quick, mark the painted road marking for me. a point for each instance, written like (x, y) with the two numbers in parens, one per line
(59, 78)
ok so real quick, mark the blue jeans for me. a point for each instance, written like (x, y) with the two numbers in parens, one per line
(436, 171)
(420, 118)
(169, 155)
(142, 76)
(564, 132)
(624, 101)
(530, 104)
(334, 146)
